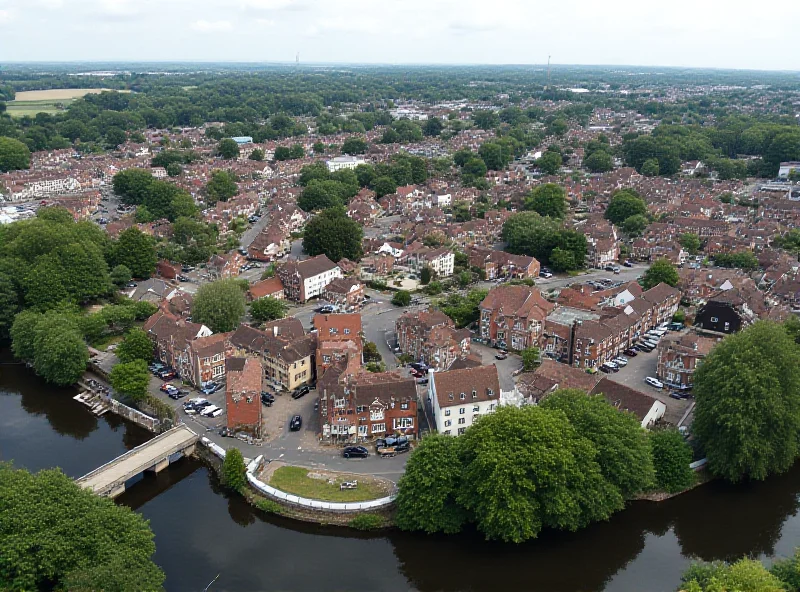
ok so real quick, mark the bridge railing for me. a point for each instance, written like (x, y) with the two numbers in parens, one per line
(296, 500)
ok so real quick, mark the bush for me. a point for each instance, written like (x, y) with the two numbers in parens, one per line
(671, 459)
(366, 522)
(268, 505)
(234, 473)
(401, 298)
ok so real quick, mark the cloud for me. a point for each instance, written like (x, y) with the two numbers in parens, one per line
(211, 26)
(343, 25)
(52, 4)
(6, 16)
(262, 22)
(274, 5)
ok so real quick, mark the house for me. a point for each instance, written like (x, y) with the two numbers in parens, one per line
(513, 316)
(307, 279)
(271, 287)
(347, 293)
(648, 410)
(338, 338)
(499, 264)
(431, 337)
(725, 312)
(151, 290)
(344, 162)
(225, 266)
(441, 260)
(679, 357)
(269, 244)
(168, 270)
(243, 395)
(459, 397)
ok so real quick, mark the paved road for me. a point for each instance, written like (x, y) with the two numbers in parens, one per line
(251, 233)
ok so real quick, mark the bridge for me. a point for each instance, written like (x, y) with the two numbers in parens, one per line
(154, 455)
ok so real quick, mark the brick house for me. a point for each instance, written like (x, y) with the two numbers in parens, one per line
(459, 397)
(339, 337)
(225, 266)
(347, 293)
(513, 316)
(243, 395)
(679, 357)
(499, 264)
(431, 337)
(307, 279)
(272, 287)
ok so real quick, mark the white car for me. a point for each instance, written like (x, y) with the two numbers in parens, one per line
(216, 413)
(621, 362)
(654, 382)
(209, 410)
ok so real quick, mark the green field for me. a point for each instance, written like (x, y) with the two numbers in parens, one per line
(296, 480)
(22, 108)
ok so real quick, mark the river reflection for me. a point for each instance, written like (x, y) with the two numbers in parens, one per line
(201, 531)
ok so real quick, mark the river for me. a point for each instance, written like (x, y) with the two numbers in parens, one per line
(202, 532)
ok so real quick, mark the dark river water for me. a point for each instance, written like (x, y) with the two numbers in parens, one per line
(201, 532)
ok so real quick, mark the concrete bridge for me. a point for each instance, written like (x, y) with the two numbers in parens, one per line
(155, 455)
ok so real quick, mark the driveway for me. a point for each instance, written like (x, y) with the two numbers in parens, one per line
(505, 368)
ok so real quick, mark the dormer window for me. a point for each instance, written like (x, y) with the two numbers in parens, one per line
(463, 396)
(347, 331)
(474, 394)
(450, 397)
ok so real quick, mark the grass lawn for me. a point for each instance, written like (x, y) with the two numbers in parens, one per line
(296, 480)
(31, 108)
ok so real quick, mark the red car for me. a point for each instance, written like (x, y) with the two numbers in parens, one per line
(165, 387)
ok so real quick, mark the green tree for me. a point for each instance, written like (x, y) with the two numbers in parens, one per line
(525, 469)
(384, 186)
(530, 358)
(548, 200)
(136, 251)
(426, 274)
(747, 414)
(492, 155)
(549, 163)
(433, 127)
(671, 459)
(401, 298)
(131, 379)
(268, 309)
(60, 356)
(9, 304)
(135, 346)
(690, 241)
(788, 571)
(354, 146)
(635, 225)
(473, 169)
(662, 271)
(599, 162)
(562, 260)
(132, 185)
(623, 205)
(334, 234)
(120, 275)
(41, 547)
(746, 575)
(234, 471)
(115, 137)
(219, 305)
(623, 450)
(23, 334)
(173, 169)
(14, 155)
(650, 168)
(257, 155)
(221, 187)
(228, 148)
(371, 353)
(485, 119)
(427, 491)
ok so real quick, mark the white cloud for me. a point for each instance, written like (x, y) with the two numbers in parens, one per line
(262, 22)
(211, 26)
(51, 4)
(273, 5)
(344, 25)
(6, 16)
(118, 7)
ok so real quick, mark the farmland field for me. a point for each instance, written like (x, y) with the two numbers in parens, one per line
(31, 102)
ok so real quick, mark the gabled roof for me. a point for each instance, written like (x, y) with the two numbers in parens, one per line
(481, 379)
(624, 398)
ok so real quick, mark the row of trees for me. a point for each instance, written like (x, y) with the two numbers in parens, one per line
(155, 198)
(568, 462)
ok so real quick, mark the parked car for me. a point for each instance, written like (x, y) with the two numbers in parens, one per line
(301, 391)
(178, 394)
(676, 326)
(422, 381)
(182, 278)
(210, 388)
(390, 441)
(295, 423)
(545, 274)
(654, 382)
(355, 452)
(606, 369)
(208, 410)
(630, 352)
(678, 395)
(267, 398)
(167, 374)
(501, 355)
(131, 285)
(620, 361)
(627, 263)
(165, 387)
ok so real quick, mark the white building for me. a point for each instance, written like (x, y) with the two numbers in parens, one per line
(787, 167)
(405, 113)
(307, 279)
(344, 162)
(441, 260)
(444, 201)
(460, 397)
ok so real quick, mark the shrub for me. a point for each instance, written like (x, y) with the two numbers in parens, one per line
(367, 522)
(268, 505)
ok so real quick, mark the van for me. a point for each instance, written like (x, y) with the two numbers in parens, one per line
(209, 410)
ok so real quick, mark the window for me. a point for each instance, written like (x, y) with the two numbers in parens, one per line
(474, 394)
(376, 415)
(491, 407)
(727, 326)
(461, 431)
(490, 392)
(447, 432)
(403, 405)
(404, 422)
(461, 411)
(218, 370)
(447, 412)
(361, 409)
(378, 428)
(476, 409)
(447, 423)
(463, 396)
(217, 358)
(347, 331)
(326, 359)
(450, 396)
(362, 430)
(332, 330)
(339, 403)
(462, 420)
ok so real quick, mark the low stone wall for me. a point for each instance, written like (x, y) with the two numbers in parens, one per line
(134, 415)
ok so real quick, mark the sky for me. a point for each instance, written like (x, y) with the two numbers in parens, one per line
(686, 33)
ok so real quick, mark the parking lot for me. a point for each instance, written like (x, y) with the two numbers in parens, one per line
(633, 375)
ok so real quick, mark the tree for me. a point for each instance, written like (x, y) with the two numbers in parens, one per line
(221, 187)
(599, 162)
(268, 309)
(428, 489)
(623, 450)
(257, 155)
(219, 305)
(485, 119)
(173, 169)
(525, 469)
(671, 459)
(354, 146)
(747, 414)
(530, 358)
(41, 548)
(635, 225)
(234, 472)
(549, 163)
(746, 575)
(426, 275)
(131, 379)
(662, 271)
(463, 310)
(115, 136)
(371, 353)
(401, 298)
(690, 241)
(432, 127)
(120, 275)
(60, 356)
(136, 251)
(132, 185)
(135, 346)
(334, 234)
(14, 155)
(492, 155)
(23, 334)
(228, 148)
(384, 186)
(562, 260)
(650, 168)
(623, 205)
(473, 169)
(548, 200)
